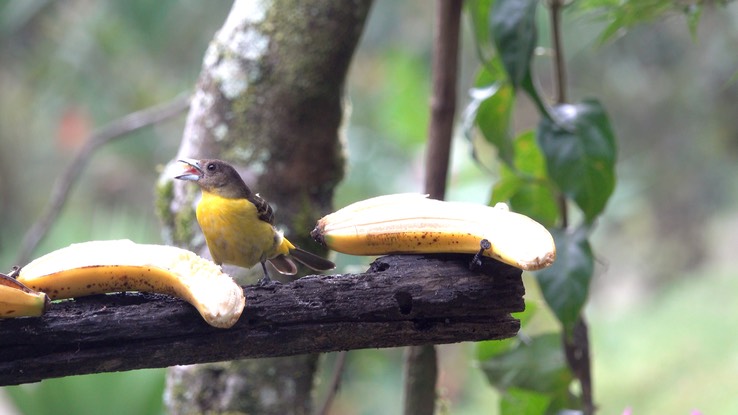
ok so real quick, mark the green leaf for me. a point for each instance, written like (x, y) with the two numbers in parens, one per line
(479, 11)
(487, 349)
(537, 365)
(621, 15)
(526, 187)
(491, 110)
(524, 402)
(565, 284)
(693, 12)
(580, 152)
(513, 27)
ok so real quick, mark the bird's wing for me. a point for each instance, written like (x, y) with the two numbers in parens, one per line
(263, 210)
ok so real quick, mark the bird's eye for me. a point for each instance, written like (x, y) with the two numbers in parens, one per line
(211, 166)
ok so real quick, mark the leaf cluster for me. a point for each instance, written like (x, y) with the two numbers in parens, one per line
(566, 164)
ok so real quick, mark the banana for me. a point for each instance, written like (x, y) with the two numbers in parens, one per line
(410, 223)
(17, 300)
(99, 267)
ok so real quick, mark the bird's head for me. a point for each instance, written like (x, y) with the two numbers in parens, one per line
(215, 176)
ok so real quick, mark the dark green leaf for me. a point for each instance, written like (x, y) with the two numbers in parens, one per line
(526, 186)
(524, 402)
(491, 110)
(565, 284)
(580, 152)
(530, 88)
(513, 27)
(537, 365)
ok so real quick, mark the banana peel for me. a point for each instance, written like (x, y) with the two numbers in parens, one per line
(99, 267)
(17, 300)
(411, 223)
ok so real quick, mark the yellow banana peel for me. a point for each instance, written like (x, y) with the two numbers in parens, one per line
(17, 300)
(99, 267)
(411, 223)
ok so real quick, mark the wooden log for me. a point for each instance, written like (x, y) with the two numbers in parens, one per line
(401, 300)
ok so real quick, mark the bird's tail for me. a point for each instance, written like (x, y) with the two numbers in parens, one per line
(310, 260)
(282, 264)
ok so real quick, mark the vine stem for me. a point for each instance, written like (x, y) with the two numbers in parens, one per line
(576, 340)
(559, 68)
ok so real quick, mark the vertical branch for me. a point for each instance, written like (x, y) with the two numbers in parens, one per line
(421, 372)
(421, 366)
(576, 349)
(443, 100)
(559, 65)
(576, 342)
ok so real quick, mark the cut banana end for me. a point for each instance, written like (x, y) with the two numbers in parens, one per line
(412, 224)
(99, 267)
(17, 300)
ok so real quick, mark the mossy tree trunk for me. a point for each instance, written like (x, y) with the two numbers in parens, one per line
(269, 100)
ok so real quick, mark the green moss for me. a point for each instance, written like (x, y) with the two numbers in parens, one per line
(177, 226)
(182, 233)
(164, 192)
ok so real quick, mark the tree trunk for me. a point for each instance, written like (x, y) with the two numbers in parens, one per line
(268, 100)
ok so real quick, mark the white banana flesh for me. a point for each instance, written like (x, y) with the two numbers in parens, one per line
(99, 267)
(411, 223)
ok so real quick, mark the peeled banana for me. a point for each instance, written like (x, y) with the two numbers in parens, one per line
(98, 267)
(17, 300)
(410, 223)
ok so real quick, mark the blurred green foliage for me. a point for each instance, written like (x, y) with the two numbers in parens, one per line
(622, 15)
(664, 270)
(128, 393)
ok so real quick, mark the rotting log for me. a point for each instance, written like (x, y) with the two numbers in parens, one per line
(401, 300)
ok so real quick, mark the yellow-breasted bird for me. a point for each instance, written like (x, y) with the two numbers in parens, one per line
(239, 225)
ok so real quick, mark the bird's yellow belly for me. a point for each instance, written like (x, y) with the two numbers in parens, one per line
(234, 233)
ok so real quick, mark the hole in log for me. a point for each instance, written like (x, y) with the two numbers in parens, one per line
(378, 266)
(404, 301)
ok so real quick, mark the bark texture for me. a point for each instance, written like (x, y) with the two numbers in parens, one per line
(400, 301)
(269, 100)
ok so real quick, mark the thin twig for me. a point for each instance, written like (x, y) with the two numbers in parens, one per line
(116, 129)
(335, 383)
(560, 79)
(558, 55)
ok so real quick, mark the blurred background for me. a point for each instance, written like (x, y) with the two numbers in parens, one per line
(662, 311)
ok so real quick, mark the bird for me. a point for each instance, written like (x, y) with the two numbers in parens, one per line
(238, 224)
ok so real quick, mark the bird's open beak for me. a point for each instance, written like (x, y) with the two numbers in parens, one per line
(193, 171)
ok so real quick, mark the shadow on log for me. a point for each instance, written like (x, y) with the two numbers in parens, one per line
(401, 300)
